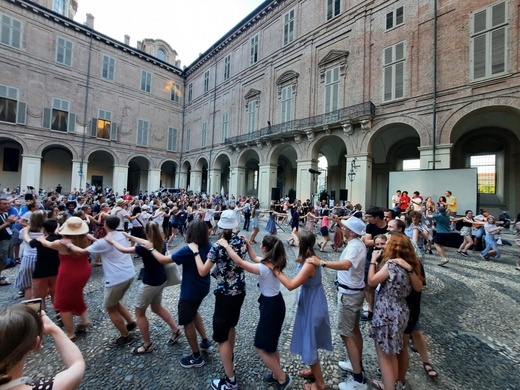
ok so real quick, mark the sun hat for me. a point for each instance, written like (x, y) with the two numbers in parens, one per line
(355, 224)
(74, 226)
(145, 207)
(228, 220)
(120, 201)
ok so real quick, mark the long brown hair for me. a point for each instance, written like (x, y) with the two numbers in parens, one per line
(400, 246)
(153, 234)
(307, 242)
(275, 252)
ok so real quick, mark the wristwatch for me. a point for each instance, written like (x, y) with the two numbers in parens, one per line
(195, 253)
(151, 249)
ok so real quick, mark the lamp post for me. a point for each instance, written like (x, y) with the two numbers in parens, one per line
(352, 174)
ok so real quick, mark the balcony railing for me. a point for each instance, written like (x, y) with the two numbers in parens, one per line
(352, 114)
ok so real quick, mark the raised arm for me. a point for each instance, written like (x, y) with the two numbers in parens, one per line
(140, 241)
(251, 251)
(253, 268)
(119, 247)
(71, 377)
(308, 270)
(203, 268)
(374, 278)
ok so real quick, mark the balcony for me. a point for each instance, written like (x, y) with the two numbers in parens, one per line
(346, 117)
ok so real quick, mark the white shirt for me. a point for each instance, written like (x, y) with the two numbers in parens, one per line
(118, 267)
(121, 214)
(269, 284)
(356, 252)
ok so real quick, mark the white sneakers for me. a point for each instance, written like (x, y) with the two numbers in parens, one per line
(346, 366)
(351, 384)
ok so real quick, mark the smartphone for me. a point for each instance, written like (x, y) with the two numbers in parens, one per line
(35, 304)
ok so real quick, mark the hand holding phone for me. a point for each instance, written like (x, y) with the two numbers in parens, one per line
(35, 304)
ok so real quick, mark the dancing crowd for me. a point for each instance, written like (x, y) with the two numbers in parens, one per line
(380, 265)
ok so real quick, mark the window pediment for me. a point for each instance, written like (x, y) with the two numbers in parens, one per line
(252, 95)
(287, 78)
(333, 58)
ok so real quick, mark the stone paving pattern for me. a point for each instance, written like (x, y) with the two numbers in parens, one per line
(470, 313)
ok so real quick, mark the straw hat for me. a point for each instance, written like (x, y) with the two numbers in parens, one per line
(120, 201)
(74, 226)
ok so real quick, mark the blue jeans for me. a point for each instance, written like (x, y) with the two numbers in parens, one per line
(491, 244)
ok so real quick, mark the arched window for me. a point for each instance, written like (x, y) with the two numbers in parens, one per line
(161, 54)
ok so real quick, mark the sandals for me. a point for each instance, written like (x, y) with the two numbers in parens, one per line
(172, 340)
(145, 350)
(306, 374)
(378, 385)
(444, 262)
(428, 368)
(4, 282)
(82, 328)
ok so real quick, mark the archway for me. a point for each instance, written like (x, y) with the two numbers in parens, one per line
(168, 174)
(100, 169)
(222, 174)
(249, 161)
(56, 169)
(284, 156)
(137, 174)
(11, 153)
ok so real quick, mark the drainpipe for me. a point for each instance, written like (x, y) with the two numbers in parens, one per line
(182, 136)
(213, 127)
(83, 139)
(434, 81)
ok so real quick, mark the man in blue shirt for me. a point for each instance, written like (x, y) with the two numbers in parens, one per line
(443, 232)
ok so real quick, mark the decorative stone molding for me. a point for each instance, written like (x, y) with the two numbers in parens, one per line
(289, 78)
(310, 135)
(366, 125)
(259, 145)
(347, 128)
(297, 138)
(268, 143)
(252, 94)
(333, 58)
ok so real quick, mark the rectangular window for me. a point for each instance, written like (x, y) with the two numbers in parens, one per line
(11, 110)
(142, 132)
(288, 27)
(64, 51)
(102, 126)
(188, 140)
(146, 81)
(486, 173)
(489, 36)
(206, 81)
(412, 165)
(60, 6)
(286, 98)
(395, 18)
(172, 139)
(331, 89)
(58, 117)
(394, 66)
(251, 116)
(175, 92)
(190, 92)
(108, 68)
(227, 67)
(253, 43)
(225, 122)
(333, 8)
(204, 134)
(10, 31)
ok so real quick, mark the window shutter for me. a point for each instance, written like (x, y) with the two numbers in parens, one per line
(498, 51)
(387, 92)
(46, 118)
(93, 127)
(21, 113)
(389, 20)
(399, 16)
(388, 56)
(399, 51)
(479, 21)
(498, 14)
(71, 128)
(399, 80)
(479, 57)
(113, 131)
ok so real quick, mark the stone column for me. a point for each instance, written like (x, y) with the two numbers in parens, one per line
(442, 156)
(154, 180)
(79, 175)
(196, 181)
(215, 183)
(266, 181)
(306, 183)
(119, 178)
(31, 172)
(183, 179)
(237, 184)
(360, 188)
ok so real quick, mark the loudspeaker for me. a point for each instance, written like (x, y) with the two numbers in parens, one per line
(333, 195)
(275, 193)
(343, 194)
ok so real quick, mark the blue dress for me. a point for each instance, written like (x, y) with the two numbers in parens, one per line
(311, 325)
(271, 224)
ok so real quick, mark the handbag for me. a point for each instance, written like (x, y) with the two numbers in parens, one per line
(173, 275)
(499, 241)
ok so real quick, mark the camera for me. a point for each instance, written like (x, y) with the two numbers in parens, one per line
(35, 304)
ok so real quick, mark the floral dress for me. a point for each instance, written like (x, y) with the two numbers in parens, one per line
(391, 311)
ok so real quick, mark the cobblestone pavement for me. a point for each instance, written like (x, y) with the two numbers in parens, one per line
(470, 313)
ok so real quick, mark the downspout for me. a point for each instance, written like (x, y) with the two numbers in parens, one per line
(182, 131)
(213, 127)
(434, 82)
(83, 139)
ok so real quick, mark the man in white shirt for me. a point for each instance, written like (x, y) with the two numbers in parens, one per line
(120, 212)
(351, 286)
(119, 273)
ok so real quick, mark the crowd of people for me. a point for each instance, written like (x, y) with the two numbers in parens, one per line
(380, 265)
